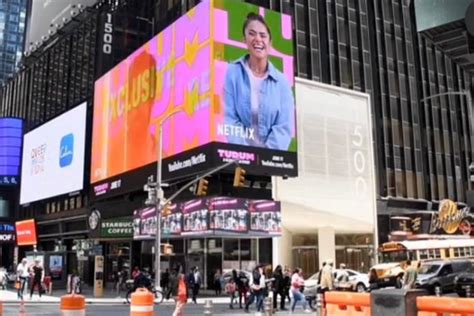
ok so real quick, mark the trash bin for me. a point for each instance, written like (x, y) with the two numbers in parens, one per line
(395, 302)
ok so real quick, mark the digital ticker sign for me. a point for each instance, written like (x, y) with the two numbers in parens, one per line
(11, 135)
(192, 80)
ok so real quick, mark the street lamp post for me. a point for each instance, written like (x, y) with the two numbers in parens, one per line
(151, 22)
(159, 198)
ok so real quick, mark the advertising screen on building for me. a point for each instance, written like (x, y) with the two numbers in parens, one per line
(195, 217)
(172, 223)
(11, 136)
(192, 80)
(53, 157)
(217, 216)
(7, 233)
(229, 215)
(265, 217)
(26, 232)
(144, 223)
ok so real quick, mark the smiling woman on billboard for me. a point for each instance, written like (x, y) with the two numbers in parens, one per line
(258, 97)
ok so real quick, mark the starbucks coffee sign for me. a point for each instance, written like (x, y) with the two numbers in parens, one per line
(121, 227)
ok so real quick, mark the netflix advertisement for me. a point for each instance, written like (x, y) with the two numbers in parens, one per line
(185, 84)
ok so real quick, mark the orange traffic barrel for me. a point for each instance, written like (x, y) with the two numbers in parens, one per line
(73, 305)
(142, 303)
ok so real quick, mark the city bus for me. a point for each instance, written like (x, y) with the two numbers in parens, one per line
(393, 255)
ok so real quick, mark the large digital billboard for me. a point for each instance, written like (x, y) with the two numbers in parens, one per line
(53, 157)
(219, 81)
(11, 135)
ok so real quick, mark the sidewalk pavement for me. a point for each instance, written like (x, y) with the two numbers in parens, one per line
(10, 296)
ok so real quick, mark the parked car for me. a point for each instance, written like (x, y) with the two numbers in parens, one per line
(463, 280)
(440, 274)
(358, 281)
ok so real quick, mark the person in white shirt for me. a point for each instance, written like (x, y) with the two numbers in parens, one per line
(257, 289)
(297, 282)
(22, 275)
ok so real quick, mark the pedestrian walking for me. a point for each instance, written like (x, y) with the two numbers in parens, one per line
(287, 284)
(179, 291)
(165, 279)
(327, 277)
(217, 282)
(320, 274)
(297, 282)
(195, 281)
(373, 284)
(242, 283)
(231, 288)
(256, 289)
(38, 277)
(279, 288)
(410, 276)
(22, 275)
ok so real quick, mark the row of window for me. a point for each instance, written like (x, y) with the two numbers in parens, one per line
(425, 254)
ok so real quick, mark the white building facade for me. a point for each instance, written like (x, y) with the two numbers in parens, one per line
(329, 210)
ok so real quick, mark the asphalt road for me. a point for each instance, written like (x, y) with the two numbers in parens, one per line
(48, 309)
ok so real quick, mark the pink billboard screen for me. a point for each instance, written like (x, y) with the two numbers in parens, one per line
(199, 80)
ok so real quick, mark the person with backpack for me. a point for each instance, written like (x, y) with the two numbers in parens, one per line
(257, 289)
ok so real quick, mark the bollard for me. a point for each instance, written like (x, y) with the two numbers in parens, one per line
(468, 291)
(437, 290)
(73, 305)
(270, 297)
(142, 303)
(319, 304)
(267, 306)
(208, 307)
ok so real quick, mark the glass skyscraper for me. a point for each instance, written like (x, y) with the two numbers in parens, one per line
(12, 34)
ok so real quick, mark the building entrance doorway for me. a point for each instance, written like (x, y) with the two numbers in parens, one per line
(306, 258)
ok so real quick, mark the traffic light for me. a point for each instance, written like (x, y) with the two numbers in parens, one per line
(202, 187)
(239, 177)
(166, 209)
(167, 249)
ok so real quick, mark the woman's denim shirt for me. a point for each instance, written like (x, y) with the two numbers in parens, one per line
(276, 114)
